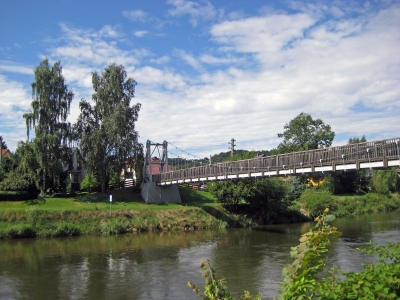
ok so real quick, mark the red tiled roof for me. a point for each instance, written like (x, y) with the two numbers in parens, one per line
(4, 152)
(155, 169)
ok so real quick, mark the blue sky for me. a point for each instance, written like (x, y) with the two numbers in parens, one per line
(209, 71)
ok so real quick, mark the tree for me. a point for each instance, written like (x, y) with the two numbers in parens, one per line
(356, 140)
(268, 197)
(48, 117)
(106, 132)
(3, 144)
(386, 181)
(89, 182)
(229, 193)
(305, 133)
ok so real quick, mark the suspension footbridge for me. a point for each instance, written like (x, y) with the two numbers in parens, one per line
(379, 154)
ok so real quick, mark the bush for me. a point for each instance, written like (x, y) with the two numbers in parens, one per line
(385, 181)
(229, 193)
(316, 200)
(268, 197)
(17, 195)
(89, 182)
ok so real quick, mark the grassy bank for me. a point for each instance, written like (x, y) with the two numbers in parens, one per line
(90, 214)
(313, 202)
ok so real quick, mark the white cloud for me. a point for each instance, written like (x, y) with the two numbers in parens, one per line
(260, 72)
(14, 102)
(196, 10)
(135, 15)
(188, 58)
(9, 66)
(161, 60)
(212, 60)
(90, 46)
(140, 33)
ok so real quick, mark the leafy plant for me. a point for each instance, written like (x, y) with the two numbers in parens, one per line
(380, 280)
(316, 200)
(89, 182)
(385, 181)
(215, 288)
(299, 277)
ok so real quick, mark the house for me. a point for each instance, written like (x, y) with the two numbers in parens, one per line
(76, 172)
(4, 153)
(155, 170)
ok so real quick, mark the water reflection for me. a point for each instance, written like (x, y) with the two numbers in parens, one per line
(158, 266)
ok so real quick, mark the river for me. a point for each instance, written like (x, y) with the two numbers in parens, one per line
(159, 265)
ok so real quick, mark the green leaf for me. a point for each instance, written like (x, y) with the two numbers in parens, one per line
(329, 218)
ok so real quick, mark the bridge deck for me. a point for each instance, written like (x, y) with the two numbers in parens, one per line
(369, 155)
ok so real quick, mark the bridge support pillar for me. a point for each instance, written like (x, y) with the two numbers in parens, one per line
(153, 193)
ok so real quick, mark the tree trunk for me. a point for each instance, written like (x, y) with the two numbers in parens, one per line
(103, 183)
(43, 183)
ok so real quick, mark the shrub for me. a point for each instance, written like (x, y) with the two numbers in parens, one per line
(268, 197)
(385, 181)
(89, 182)
(316, 200)
(229, 193)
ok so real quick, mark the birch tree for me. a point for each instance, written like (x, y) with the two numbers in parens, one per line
(51, 100)
(106, 131)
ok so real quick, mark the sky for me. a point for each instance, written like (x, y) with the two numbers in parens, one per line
(210, 71)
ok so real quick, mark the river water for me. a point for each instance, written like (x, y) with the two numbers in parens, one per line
(159, 265)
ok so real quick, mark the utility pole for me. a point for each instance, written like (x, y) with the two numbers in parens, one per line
(232, 147)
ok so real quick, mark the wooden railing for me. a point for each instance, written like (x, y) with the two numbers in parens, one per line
(377, 154)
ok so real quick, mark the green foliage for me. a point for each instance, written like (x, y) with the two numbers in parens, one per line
(3, 144)
(107, 130)
(347, 182)
(139, 162)
(316, 200)
(356, 140)
(115, 177)
(267, 197)
(215, 289)
(66, 229)
(380, 280)
(8, 163)
(89, 182)
(297, 187)
(48, 117)
(229, 193)
(385, 181)
(28, 165)
(14, 181)
(304, 133)
(299, 278)
(114, 226)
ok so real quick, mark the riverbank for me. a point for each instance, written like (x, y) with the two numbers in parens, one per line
(313, 202)
(93, 214)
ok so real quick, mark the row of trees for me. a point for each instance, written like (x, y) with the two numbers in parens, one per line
(103, 136)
